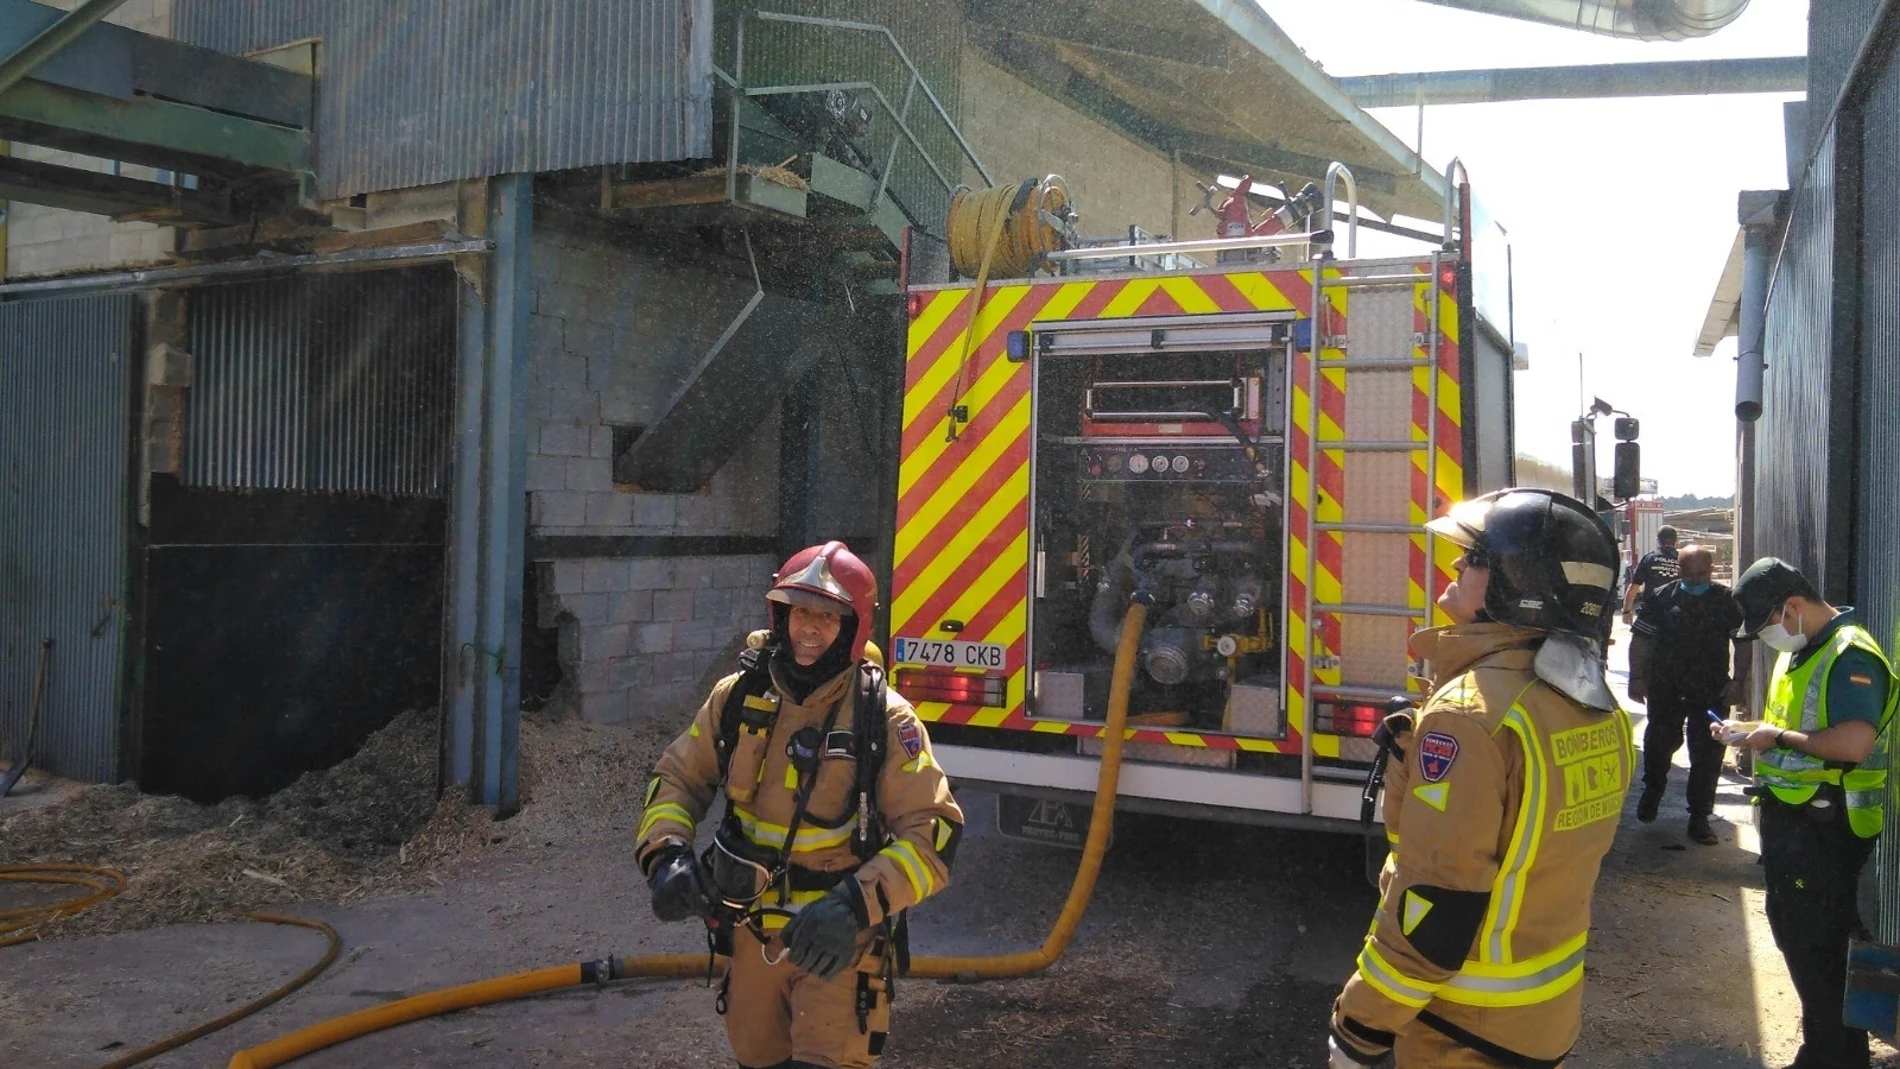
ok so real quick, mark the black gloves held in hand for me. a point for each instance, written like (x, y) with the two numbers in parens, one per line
(677, 892)
(823, 937)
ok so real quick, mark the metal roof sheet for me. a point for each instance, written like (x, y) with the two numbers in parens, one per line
(1216, 80)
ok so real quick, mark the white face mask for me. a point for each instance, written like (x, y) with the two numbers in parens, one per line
(1780, 638)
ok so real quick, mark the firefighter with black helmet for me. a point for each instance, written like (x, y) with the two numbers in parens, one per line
(1501, 805)
(837, 821)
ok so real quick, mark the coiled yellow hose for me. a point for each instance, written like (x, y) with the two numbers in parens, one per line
(17, 925)
(978, 225)
(518, 985)
(1012, 219)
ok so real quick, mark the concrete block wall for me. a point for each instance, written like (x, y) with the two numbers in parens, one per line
(50, 241)
(635, 635)
(1020, 132)
(614, 332)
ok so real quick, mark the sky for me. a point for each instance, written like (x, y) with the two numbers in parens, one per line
(1620, 211)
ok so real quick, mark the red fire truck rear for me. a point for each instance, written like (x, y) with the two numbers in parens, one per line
(1244, 433)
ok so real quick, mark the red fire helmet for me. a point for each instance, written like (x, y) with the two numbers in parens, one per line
(829, 578)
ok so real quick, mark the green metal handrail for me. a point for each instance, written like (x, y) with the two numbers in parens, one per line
(898, 115)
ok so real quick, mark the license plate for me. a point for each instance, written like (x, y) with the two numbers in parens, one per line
(945, 654)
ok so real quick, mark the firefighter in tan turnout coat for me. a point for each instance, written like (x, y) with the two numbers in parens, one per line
(1500, 803)
(837, 820)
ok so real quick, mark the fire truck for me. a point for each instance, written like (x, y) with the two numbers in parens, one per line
(1244, 433)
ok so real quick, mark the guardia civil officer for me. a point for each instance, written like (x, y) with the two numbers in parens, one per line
(1500, 805)
(837, 820)
(1821, 767)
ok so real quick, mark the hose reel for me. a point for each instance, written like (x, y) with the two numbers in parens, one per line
(1022, 223)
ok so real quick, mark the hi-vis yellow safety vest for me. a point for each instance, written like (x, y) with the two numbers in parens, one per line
(1797, 701)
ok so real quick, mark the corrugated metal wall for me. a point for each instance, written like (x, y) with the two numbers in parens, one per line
(1792, 437)
(325, 382)
(414, 92)
(1835, 31)
(1878, 565)
(64, 427)
(931, 33)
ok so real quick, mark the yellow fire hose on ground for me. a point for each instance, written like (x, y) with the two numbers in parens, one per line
(519, 985)
(17, 926)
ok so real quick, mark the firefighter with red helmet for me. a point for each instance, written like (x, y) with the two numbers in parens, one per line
(1500, 803)
(837, 820)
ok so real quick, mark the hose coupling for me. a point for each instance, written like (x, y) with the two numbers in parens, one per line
(601, 972)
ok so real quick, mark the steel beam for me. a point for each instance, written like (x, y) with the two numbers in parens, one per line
(156, 133)
(1776, 74)
(55, 37)
(80, 190)
(266, 267)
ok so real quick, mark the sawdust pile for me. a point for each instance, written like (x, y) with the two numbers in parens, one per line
(368, 827)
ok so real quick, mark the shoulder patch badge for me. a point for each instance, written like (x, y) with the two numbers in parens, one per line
(1436, 752)
(910, 737)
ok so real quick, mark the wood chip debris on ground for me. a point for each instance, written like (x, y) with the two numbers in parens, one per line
(370, 826)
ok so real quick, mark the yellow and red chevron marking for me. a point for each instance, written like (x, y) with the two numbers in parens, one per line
(962, 548)
(1432, 500)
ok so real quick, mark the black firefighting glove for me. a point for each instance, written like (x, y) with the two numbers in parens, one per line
(823, 936)
(677, 891)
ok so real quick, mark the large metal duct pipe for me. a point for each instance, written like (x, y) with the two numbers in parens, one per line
(1751, 324)
(1693, 77)
(1757, 212)
(1645, 20)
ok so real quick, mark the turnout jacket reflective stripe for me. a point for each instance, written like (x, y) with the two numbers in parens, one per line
(1797, 701)
(1499, 814)
(920, 817)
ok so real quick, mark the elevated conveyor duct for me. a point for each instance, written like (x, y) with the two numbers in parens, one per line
(1643, 20)
(759, 358)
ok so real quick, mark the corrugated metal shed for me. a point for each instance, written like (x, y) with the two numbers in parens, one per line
(326, 382)
(64, 501)
(1791, 441)
(414, 92)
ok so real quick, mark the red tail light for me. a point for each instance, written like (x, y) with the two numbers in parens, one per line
(1338, 718)
(914, 304)
(1447, 277)
(954, 688)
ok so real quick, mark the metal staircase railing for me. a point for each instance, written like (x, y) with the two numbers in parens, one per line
(899, 115)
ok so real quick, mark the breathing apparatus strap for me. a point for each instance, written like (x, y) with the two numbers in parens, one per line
(868, 725)
(1398, 722)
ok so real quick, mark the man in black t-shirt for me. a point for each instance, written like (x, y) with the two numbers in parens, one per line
(1656, 568)
(1680, 658)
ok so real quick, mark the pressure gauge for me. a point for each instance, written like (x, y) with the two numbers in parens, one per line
(1227, 645)
(1137, 464)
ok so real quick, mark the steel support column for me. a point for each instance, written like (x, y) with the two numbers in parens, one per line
(481, 677)
(460, 661)
(503, 496)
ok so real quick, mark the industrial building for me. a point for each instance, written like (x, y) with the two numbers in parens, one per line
(373, 356)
